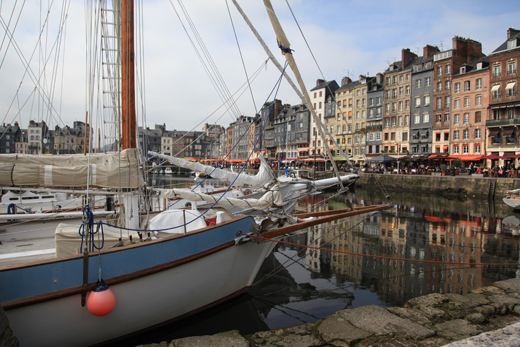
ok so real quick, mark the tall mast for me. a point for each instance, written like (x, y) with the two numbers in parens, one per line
(128, 122)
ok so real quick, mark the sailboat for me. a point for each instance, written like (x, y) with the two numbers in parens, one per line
(55, 302)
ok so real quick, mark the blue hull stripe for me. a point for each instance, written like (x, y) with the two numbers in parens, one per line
(25, 282)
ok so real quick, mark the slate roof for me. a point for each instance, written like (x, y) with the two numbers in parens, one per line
(503, 46)
(332, 85)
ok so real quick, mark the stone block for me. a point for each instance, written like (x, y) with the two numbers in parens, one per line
(456, 329)
(380, 321)
(335, 328)
(411, 314)
(431, 300)
(509, 286)
(476, 318)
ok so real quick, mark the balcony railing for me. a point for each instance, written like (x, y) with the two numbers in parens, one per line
(497, 74)
(511, 72)
(374, 127)
(497, 95)
(506, 121)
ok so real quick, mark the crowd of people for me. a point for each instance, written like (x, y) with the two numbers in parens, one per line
(506, 170)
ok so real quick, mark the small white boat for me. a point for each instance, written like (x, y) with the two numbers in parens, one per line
(512, 198)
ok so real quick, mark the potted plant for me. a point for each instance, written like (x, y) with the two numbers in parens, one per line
(458, 164)
(443, 169)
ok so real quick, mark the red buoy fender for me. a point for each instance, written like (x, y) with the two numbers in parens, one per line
(101, 301)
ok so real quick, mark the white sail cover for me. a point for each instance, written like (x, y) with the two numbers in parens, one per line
(264, 176)
(272, 198)
(115, 170)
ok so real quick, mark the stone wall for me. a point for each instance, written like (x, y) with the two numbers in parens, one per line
(449, 185)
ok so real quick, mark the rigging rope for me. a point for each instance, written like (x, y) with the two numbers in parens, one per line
(380, 256)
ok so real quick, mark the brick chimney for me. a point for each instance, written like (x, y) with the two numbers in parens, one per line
(430, 50)
(406, 57)
(512, 32)
(319, 81)
(345, 80)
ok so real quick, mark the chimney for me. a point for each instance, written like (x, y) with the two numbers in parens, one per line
(319, 81)
(512, 32)
(345, 80)
(406, 57)
(430, 50)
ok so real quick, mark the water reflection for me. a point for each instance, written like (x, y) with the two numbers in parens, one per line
(298, 284)
(403, 252)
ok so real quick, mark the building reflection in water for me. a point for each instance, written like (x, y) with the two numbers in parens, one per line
(429, 238)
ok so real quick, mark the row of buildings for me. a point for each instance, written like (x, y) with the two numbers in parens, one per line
(457, 101)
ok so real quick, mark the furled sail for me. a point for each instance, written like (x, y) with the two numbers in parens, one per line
(114, 170)
(264, 176)
(272, 198)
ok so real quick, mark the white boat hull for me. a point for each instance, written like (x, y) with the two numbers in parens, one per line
(512, 202)
(145, 301)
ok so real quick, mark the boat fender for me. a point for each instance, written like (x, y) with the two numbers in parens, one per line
(247, 191)
(101, 301)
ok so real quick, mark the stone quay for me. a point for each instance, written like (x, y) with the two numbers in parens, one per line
(488, 316)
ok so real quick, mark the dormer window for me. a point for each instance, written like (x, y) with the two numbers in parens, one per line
(462, 69)
(479, 66)
(511, 44)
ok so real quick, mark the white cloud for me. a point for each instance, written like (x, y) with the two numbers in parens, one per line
(346, 37)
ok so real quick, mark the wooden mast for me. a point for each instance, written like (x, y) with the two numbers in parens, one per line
(128, 123)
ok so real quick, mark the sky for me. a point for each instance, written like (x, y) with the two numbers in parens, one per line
(340, 38)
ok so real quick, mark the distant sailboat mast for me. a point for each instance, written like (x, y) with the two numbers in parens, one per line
(128, 121)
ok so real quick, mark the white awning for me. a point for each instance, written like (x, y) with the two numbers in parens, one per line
(510, 85)
(495, 87)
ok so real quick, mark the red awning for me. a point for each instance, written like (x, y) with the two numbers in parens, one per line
(467, 157)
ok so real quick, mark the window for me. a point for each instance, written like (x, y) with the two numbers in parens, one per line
(405, 136)
(394, 107)
(466, 101)
(510, 113)
(448, 69)
(418, 83)
(439, 70)
(439, 86)
(388, 80)
(401, 90)
(495, 91)
(400, 105)
(407, 90)
(416, 119)
(407, 105)
(478, 117)
(439, 103)
(393, 121)
(400, 121)
(477, 133)
(455, 149)
(456, 135)
(392, 137)
(426, 100)
(417, 101)
(426, 118)
(511, 88)
(446, 136)
(466, 86)
(339, 130)
(428, 81)
(511, 67)
(448, 85)
(479, 83)
(406, 121)
(394, 79)
(465, 149)
(438, 118)
(456, 104)
(456, 119)
(466, 118)
(477, 149)
(497, 70)
(478, 100)
(465, 134)
(457, 87)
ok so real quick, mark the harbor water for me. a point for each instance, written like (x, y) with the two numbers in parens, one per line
(423, 244)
